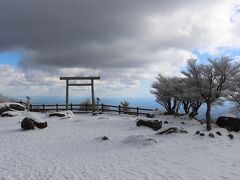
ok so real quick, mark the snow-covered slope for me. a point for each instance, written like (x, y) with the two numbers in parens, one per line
(73, 149)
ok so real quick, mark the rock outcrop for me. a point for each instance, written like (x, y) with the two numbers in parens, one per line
(155, 124)
(29, 124)
(229, 123)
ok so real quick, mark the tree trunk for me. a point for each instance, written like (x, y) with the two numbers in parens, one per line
(208, 116)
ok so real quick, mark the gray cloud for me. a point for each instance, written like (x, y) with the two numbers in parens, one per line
(87, 33)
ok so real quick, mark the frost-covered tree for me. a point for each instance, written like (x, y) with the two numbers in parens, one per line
(234, 92)
(173, 92)
(190, 100)
(163, 89)
(212, 80)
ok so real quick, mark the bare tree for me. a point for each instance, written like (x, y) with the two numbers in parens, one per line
(125, 105)
(4, 98)
(211, 81)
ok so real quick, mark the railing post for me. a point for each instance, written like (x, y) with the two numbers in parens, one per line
(119, 109)
(71, 107)
(86, 107)
(102, 107)
(43, 107)
(137, 111)
(57, 107)
(30, 107)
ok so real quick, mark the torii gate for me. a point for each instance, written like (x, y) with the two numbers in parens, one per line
(67, 79)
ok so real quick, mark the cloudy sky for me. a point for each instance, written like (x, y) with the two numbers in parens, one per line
(126, 42)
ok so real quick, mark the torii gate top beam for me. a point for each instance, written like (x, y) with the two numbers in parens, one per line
(80, 78)
(80, 84)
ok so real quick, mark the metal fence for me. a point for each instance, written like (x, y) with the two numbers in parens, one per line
(87, 108)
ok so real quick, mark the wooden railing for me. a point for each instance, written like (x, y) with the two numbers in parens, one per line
(87, 108)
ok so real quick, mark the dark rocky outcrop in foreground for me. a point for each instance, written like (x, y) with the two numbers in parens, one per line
(229, 123)
(57, 114)
(155, 124)
(172, 130)
(29, 124)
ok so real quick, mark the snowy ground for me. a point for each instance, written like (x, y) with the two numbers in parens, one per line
(73, 149)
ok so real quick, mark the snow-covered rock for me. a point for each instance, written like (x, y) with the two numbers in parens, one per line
(11, 106)
(62, 114)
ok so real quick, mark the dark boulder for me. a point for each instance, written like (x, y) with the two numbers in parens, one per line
(230, 136)
(165, 122)
(211, 135)
(219, 133)
(56, 114)
(150, 115)
(27, 124)
(202, 134)
(155, 124)
(197, 132)
(105, 138)
(229, 123)
(40, 125)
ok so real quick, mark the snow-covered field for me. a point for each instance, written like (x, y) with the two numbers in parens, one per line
(73, 149)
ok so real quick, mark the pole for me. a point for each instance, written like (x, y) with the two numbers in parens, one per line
(93, 103)
(98, 105)
(67, 94)
(28, 103)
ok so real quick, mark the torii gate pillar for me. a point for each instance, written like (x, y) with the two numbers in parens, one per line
(67, 79)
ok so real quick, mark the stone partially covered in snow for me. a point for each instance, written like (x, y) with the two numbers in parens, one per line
(153, 114)
(57, 114)
(173, 130)
(155, 124)
(63, 114)
(11, 107)
(40, 125)
(9, 114)
(139, 140)
(32, 121)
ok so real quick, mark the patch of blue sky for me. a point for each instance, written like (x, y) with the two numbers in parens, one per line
(221, 51)
(10, 58)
